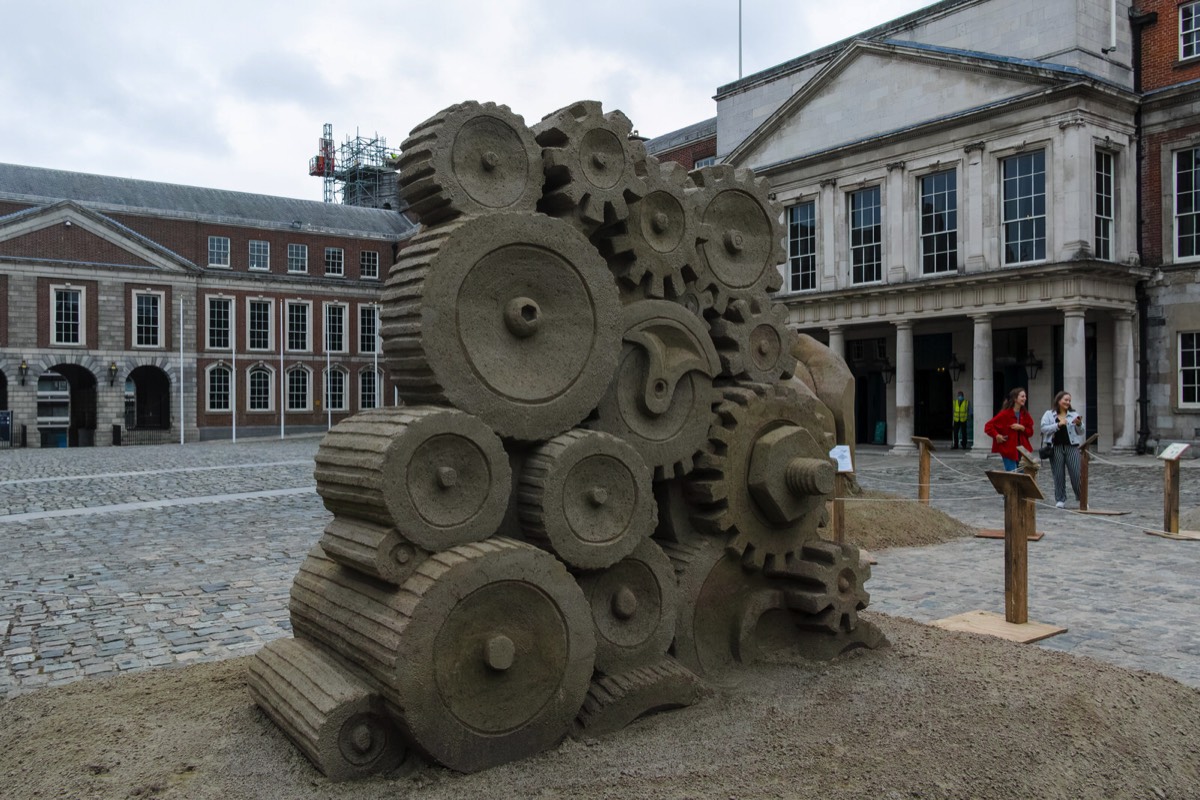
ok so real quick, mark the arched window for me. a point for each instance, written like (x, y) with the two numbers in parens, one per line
(259, 388)
(335, 389)
(298, 389)
(369, 381)
(218, 387)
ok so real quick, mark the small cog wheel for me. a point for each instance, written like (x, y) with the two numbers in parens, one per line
(826, 586)
(653, 251)
(765, 479)
(471, 158)
(741, 236)
(754, 341)
(592, 167)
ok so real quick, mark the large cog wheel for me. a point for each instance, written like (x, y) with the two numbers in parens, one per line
(741, 236)
(766, 477)
(470, 158)
(591, 165)
(754, 341)
(826, 585)
(660, 398)
(654, 251)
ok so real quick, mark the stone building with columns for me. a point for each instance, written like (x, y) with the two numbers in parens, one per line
(961, 209)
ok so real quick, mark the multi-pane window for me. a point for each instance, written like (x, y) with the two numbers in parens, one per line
(1189, 30)
(297, 327)
(219, 310)
(146, 327)
(1187, 203)
(335, 389)
(259, 389)
(218, 251)
(297, 258)
(802, 247)
(218, 388)
(260, 254)
(68, 316)
(368, 325)
(866, 236)
(368, 389)
(1024, 212)
(368, 264)
(297, 390)
(259, 325)
(335, 261)
(939, 222)
(1104, 205)
(335, 328)
(1189, 369)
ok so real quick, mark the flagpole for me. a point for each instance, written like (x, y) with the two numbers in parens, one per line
(233, 380)
(282, 377)
(181, 420)
(375, 364)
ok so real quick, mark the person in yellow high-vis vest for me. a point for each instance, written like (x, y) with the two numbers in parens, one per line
(962, 409)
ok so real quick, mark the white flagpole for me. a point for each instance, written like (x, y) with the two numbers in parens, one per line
(328, 377)
(181, 370)
(282, 377)
(375, 364)
(233, 330)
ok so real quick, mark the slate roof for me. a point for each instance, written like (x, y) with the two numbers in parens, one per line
(692, 133)
(109, 194)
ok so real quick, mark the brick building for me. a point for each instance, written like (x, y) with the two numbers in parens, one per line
(136, 309)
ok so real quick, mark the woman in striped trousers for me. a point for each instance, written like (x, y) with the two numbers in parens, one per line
(1062, 427)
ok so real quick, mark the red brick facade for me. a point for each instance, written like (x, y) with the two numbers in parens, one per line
(72, 243)
(1161, 65)
(690, 153)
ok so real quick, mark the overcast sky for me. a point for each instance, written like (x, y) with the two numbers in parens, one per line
(233, 95)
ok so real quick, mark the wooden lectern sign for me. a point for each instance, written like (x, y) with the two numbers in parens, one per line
(1170, 458)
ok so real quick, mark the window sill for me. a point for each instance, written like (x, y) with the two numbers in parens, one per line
(1186, 63)
(218, 266)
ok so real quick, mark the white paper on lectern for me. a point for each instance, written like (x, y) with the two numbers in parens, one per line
(841, 454)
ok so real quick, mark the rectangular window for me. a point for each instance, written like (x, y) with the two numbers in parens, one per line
(368, 265)
(1024, 214)
(1104, 205)
(1189, 30)
(297, 390)
(866, 236)
(218, 251)
(260, 254)
(939, 222)
(68, 316)
(1187, 203)
(802, 247)
(1189, 369)
(368, 325)
(335, 259)
(259, 325)
(218, 389)
(219, 309)
(335, 328)
(146, 308)
(368, 389)
(707, 161)
(297, 258)
(297, 327)
(335, 390)
(259, 389)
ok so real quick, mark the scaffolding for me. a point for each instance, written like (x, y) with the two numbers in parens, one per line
(359, 172)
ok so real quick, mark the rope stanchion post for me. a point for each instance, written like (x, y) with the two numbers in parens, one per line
(924, 448)
(1085, 456)
(838, 521)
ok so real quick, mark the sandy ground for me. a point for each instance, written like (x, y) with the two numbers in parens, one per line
(935, 715)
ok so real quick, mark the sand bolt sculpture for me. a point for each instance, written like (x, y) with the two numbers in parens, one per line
(609, 480)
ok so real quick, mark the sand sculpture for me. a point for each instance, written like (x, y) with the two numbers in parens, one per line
(607, 485)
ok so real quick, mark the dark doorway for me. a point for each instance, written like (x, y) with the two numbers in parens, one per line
(3, 391)
(148, 399)
(81, 428)
(1009, 351)
(870, 408)
(933, 415)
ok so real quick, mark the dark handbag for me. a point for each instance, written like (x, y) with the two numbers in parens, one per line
(1045, 452)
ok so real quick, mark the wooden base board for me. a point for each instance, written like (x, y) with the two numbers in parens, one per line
(1097, 512)
(1184, 536)
(992, 533)
(990, 624)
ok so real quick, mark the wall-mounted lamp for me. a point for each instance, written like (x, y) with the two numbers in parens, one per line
(112, 373)
(955, 367)
(888, 370)
(22, 368)
(1032, 364)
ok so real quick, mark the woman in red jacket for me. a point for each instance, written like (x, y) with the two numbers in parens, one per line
(1010, 428)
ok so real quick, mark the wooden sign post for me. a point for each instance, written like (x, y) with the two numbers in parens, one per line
(925, 448)
(1020, 520)
(845, 466)
(1170, 458)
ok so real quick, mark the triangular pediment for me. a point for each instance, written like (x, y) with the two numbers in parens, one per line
(873, 89)
(69, 232)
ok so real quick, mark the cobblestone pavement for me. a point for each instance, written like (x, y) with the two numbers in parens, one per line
(120, 559)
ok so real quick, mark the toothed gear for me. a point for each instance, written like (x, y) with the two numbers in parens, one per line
(754, 341)
(697, 300)
(826, 585)
(660, 398)
(590, 164)
(741, 236)
(653, 252)
(765, 478)
(471, 158)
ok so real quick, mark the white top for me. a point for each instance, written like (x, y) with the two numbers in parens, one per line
(1049, 427)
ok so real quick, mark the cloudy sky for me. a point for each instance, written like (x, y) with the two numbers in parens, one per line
(233, 95)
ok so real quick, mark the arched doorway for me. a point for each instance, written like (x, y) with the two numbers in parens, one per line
(81, 417)
(148, 399)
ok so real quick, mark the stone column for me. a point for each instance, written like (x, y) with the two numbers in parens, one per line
(981, 384)
(971, 198)
(905, 394)
(1074, 195)
(837, 340)
(1074, 355)
(1124, 384)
